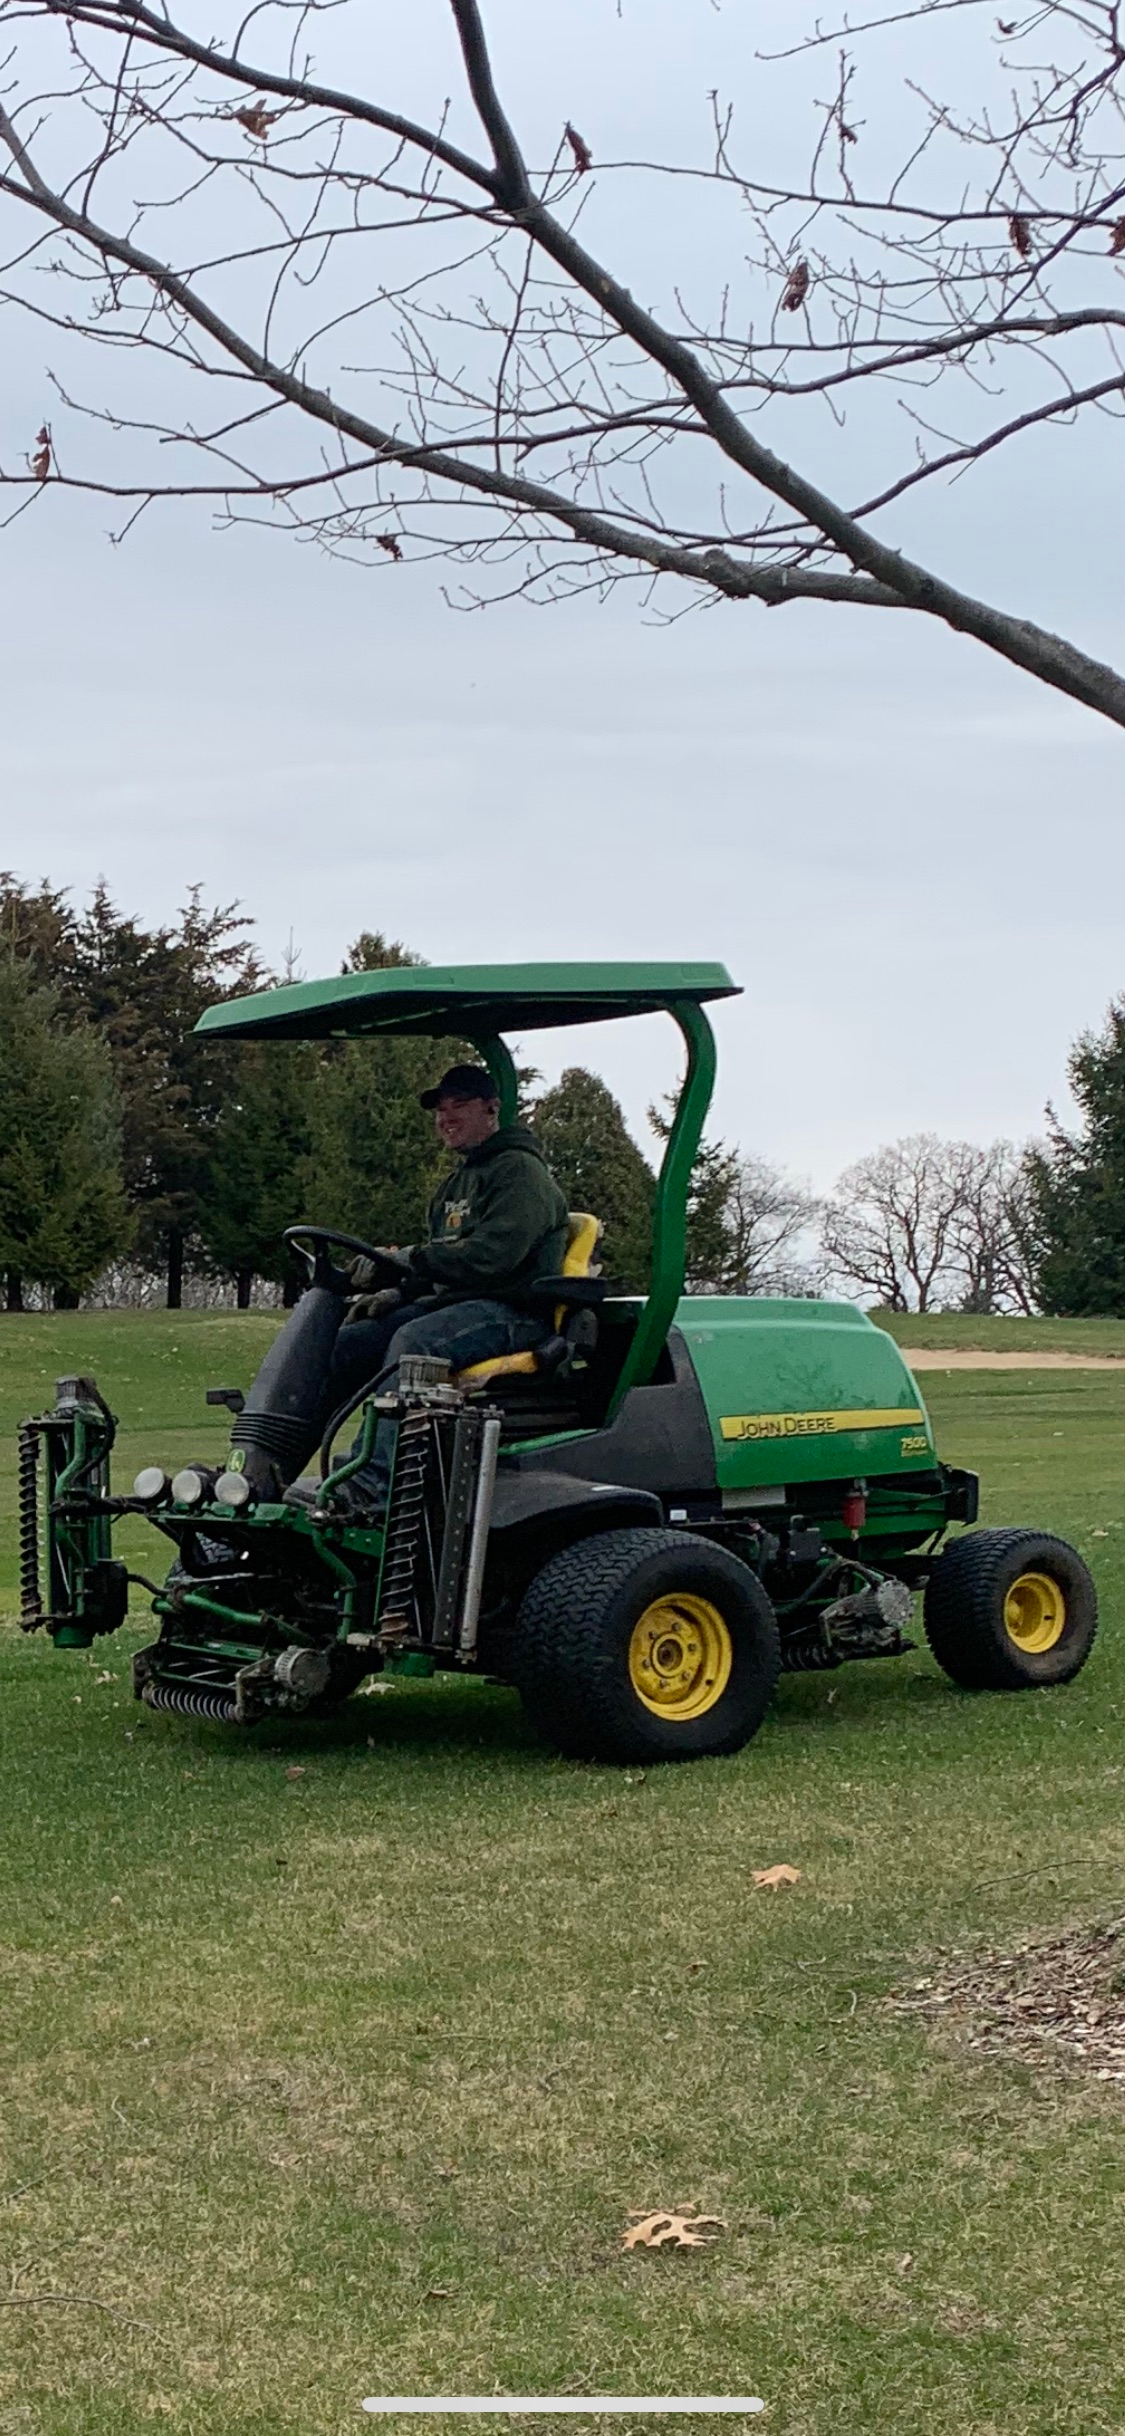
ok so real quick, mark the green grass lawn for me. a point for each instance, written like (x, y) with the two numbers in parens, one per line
(964, 1332)
(340, 2082)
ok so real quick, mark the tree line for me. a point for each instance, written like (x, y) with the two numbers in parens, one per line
(137, 1159)
(925, 1225)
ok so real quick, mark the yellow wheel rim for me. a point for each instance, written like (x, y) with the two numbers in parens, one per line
(680, 1657)
(1035, 1613)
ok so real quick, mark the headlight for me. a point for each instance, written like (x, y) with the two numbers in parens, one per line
(151, 1484)
(187, 1488)
(232, 1489)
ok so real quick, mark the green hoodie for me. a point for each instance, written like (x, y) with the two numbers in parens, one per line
(497, 1222)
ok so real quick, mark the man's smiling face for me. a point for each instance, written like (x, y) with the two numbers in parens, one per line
(463, 1124)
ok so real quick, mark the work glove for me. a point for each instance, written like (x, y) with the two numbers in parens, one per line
(362, 1272)
(372, 1306)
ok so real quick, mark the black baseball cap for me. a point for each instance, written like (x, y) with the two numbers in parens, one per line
(461, 1083)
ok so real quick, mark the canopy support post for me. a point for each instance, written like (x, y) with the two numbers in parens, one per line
(669, 1216)
(501, 1066)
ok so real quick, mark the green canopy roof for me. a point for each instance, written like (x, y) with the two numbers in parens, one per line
(476, 1001)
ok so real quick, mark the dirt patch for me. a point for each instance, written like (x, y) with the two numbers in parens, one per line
(1062, 2003)
(932, 1357)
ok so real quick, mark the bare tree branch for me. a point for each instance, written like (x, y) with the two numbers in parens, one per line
(966, 267)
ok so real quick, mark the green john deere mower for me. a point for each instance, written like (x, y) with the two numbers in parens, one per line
(639, 1525)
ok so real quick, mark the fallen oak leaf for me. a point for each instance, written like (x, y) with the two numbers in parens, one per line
(293, 1774)
(780, 1875)
(670, 2229)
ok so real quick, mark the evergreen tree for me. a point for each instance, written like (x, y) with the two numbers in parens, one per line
(713, 1179)
(144, 991)
(596, 1162)
(257, 1162)
(1078, 1183)
(63, 1212)
(38, 926)
(374, 1159)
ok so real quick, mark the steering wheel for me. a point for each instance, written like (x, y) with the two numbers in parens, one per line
(310, 1244)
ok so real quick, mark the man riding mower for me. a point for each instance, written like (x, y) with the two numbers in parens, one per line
(638, 1515)
(495, 1225)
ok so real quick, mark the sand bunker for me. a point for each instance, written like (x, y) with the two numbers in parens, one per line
(931, 1357)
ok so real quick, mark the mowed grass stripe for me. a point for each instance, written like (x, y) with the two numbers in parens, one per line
(344, 2083)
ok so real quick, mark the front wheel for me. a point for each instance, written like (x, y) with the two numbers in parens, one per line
(1006, 1610)
(646, 1645)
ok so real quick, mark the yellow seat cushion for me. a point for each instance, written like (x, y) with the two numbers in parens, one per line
(500, 1366)
(584, 1233)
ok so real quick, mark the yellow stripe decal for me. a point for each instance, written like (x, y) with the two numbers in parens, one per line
(743, 1426)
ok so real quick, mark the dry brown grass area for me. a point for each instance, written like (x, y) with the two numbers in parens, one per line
(1060, 2002)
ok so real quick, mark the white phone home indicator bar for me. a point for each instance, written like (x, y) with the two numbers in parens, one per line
(582, 2404)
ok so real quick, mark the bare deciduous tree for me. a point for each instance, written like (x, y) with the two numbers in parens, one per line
(768, 1220)
(926, 1224)
(417, 337)
(995, 1234)
(890, 1224)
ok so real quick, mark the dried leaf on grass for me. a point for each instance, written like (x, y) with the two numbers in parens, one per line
(780, 1875)
(1061, 2002)
(670, 2229)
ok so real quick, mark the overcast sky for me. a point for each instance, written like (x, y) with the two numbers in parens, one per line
(911, 857)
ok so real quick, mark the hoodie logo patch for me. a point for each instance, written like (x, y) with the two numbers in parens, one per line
(455, 1214)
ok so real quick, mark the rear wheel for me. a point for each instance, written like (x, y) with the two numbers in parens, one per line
(645, 1645)
(1006, 1610)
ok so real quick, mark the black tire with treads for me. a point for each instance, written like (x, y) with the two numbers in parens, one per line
(965, 1602)
(570, 1656)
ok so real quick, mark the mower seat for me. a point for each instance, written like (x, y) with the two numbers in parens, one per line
(584, 1234)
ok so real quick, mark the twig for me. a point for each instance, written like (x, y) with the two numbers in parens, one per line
(1042, 1869)
(78, 2300)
